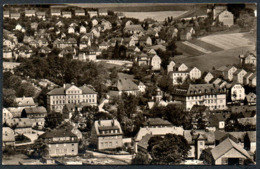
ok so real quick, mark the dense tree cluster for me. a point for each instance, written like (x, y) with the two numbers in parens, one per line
(172, 149)
(64, 70)
(174, 113)
(14, 87)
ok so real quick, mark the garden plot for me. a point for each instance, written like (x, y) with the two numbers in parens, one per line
(228, 41)
(201, 49)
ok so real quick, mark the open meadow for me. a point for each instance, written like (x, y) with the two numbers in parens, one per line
(215, 43)
(206, 62)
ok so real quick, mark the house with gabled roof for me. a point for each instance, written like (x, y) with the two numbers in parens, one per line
(226, 17)
(229, 72)
(142, 59)
(55, 12)
(20, 125)
(9, 43)
(207, 76)
(155, 62)
(37, 114)
(10, 66)
(145, 40)
(252, 80)
(103, 46)
(15, 15)
(6, 114)
(194, 73)
(95, 32)
(239, 76)
(102, 12)
(106, 24)
(30, 12)
(251, 98)
(246, 78)
(41, 14)
(7, 53)
(248, 58)
(61, 142)
(133, 29)
(82, 29)
(178, 77)
(185, 35)
(85, 42)
(106, 134)
(45, 50)
(128, 42)
(199, 140)
(226, 153)
(92, 14)
(237, 92)
(79, 12)
(8, 138)
(170, 66)
(6, 14)
(25, 102)
(89, 54)
(123, 85)
(66, 14)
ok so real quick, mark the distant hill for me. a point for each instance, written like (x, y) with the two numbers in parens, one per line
(142, 7)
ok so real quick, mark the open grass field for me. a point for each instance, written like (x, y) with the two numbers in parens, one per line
(206, 62)
(215, 43)
(158, 15)
(187, 50)
(228, 41)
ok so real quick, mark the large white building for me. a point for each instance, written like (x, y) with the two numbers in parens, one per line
(237, 92)
(70, 93)
(209, 95)
(179, 76)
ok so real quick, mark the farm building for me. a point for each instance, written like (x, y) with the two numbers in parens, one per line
(227, 18)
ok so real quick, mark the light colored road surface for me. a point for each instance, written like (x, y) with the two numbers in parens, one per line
(125, 158)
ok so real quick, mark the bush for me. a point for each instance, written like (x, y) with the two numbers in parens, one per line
(8, 150)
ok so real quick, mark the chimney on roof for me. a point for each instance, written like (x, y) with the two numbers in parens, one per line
(23, 97)
(113, 122)
(64, 85)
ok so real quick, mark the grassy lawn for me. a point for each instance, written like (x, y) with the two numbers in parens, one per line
(124, 75)
(109, 65)
(207, 61)
(187, 50)
(205, 45)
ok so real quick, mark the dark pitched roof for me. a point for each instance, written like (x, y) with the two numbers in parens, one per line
(125, 85)
(144, 141)
(199, 108)
(190, 136)
(33, 110)
(225, 146)
(156, 122)
(199, 89)
(57, 133)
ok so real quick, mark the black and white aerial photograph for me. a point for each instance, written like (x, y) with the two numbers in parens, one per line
(129, 84)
